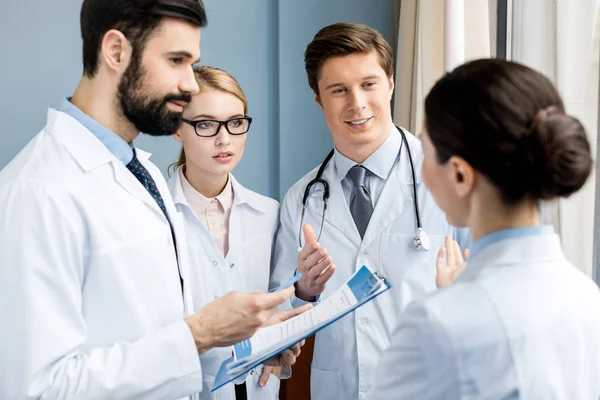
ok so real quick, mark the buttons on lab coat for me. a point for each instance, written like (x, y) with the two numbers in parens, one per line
(364, 322)
(250, 243)
(215, 263)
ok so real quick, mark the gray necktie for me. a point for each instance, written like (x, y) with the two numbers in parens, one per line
(361, 207)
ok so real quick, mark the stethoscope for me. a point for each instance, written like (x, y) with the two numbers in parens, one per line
(421, 239)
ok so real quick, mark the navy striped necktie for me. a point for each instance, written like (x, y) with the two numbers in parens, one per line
(142, 175)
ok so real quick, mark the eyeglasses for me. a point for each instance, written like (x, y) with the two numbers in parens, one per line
(211, 127)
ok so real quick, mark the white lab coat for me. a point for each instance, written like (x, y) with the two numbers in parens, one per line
(252, 227)
(347, 352)
(520, 323)
(90, 297)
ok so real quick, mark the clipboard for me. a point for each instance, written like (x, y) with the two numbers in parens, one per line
(364, 286)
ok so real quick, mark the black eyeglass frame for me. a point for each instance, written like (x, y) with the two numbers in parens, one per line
(225, 124)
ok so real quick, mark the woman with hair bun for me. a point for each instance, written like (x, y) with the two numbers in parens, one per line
(520, 321)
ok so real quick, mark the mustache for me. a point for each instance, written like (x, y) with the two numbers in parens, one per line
(185, 97)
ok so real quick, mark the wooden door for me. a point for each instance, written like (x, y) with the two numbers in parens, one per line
(298, 386)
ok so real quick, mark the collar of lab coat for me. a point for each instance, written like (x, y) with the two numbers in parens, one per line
(85, 148)
(90, 153)
(245, 196)
(241, 195)
(402, 170)
(379, 163)
(515, 251)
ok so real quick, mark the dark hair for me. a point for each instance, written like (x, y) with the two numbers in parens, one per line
(508, 122)
(342, 39)
(136, 19)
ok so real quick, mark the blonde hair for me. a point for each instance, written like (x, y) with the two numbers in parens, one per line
(216, 79)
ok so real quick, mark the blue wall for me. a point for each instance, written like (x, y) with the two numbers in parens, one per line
(40, 62)
(304, 137)
(261, 42)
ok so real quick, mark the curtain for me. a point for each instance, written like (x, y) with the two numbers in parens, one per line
(560, 39)
(434, 36)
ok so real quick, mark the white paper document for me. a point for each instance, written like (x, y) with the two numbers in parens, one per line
(270, 341)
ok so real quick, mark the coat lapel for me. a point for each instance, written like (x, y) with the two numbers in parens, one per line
(90, 153)
(130, 183)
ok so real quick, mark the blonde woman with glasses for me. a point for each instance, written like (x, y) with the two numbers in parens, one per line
(230, 229)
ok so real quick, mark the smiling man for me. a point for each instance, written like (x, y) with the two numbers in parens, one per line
(371, 216)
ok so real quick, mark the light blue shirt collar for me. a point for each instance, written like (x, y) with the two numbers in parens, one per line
(379, 163)
(115, 144)
(513, 233)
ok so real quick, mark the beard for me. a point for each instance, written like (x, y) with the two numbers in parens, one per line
(147, 112)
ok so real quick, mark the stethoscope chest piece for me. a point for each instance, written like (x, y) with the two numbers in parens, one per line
(422, 240)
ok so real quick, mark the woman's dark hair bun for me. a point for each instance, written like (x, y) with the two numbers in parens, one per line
(563, 161)
(509, 123)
